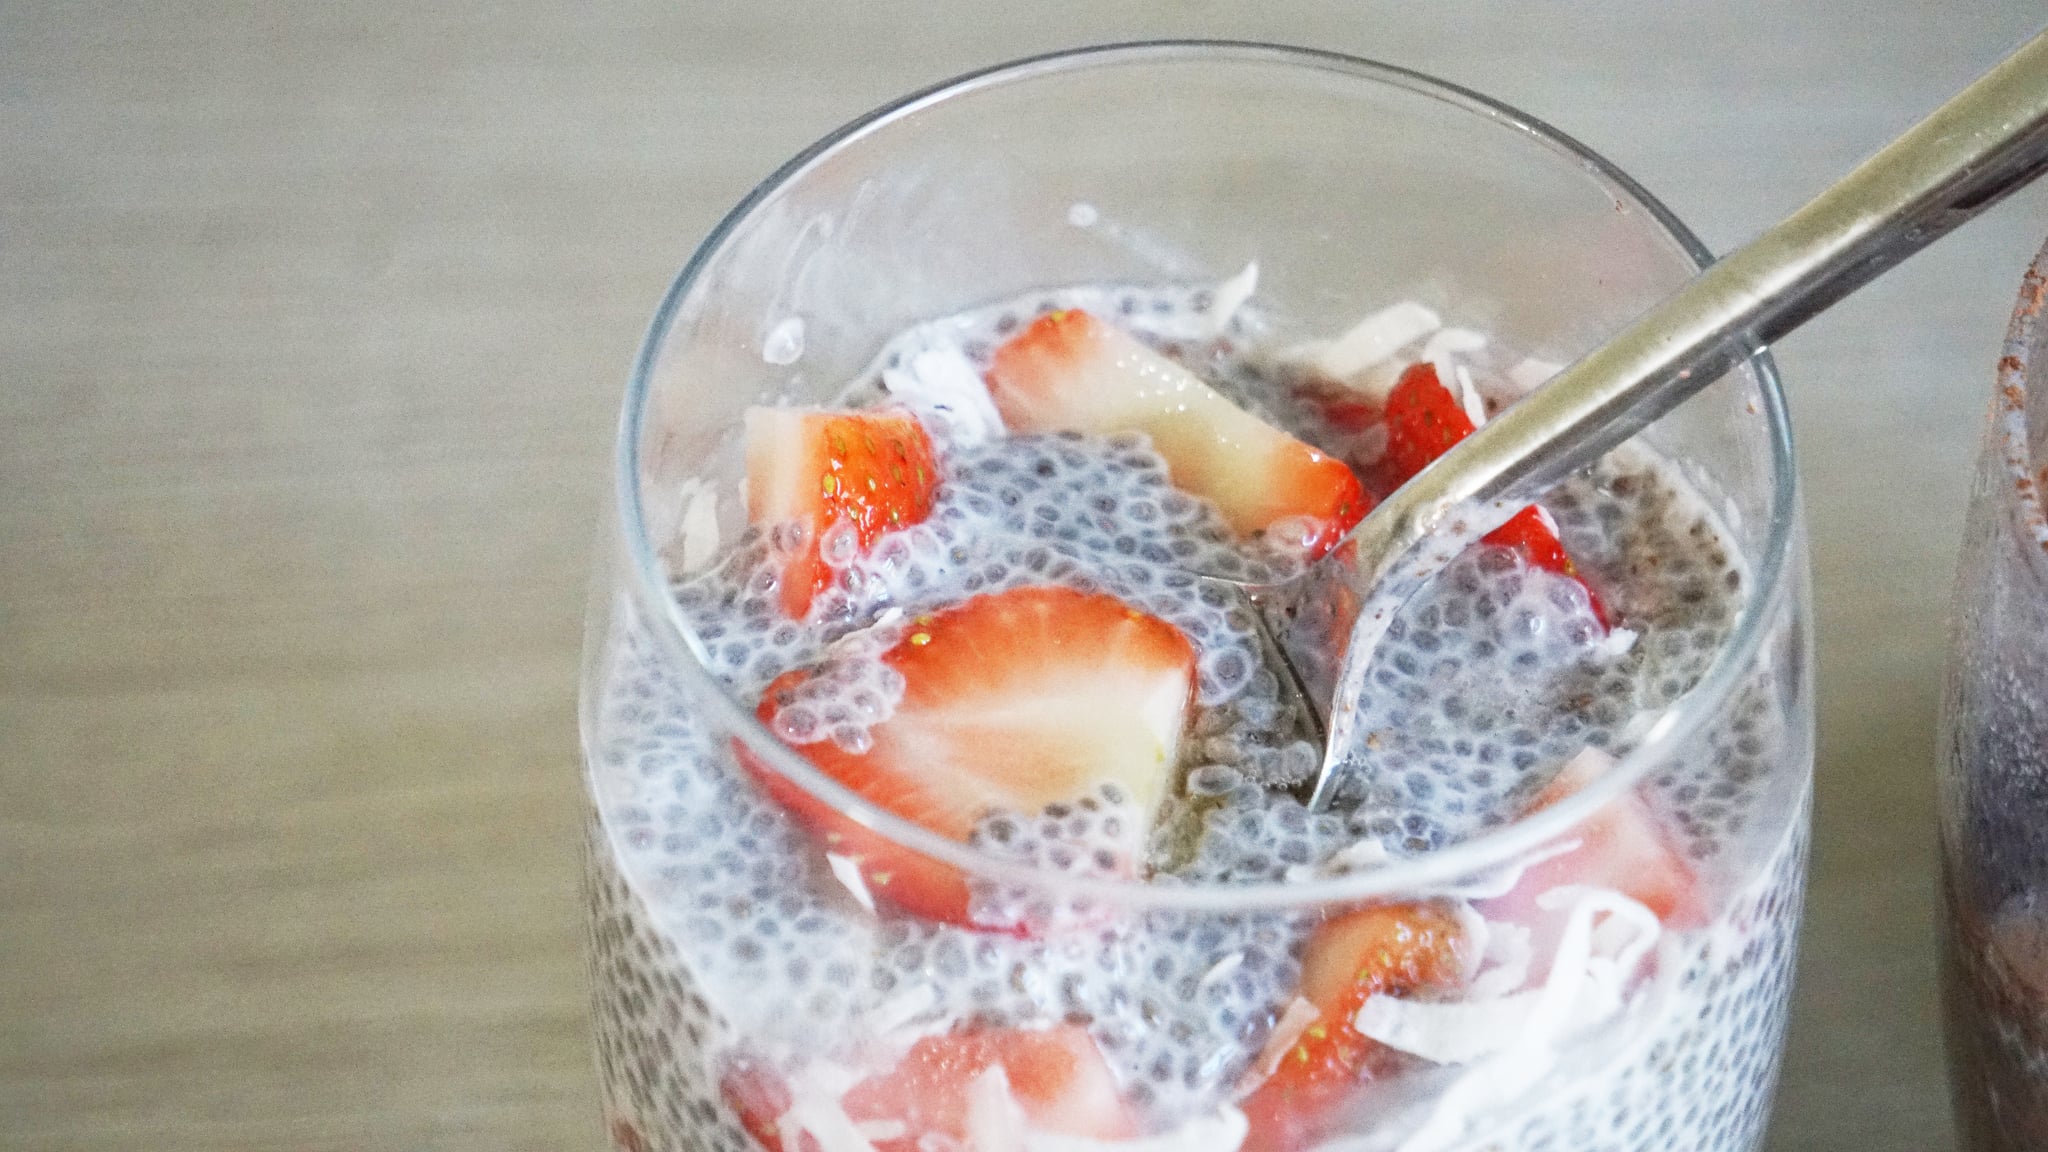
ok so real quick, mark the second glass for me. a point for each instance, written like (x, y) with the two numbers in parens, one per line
(1994, 766)
(1559, 918)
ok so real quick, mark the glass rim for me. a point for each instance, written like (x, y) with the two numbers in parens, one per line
(2009, 415)
(1678, 722)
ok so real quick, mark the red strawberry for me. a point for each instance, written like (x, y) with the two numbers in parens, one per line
(1343, 409)
(826, 472)
(1012, 701)
(1385, 949)
(1424, 420)
(759, 1096)
(1057, 1077)
(1527, 534)
(1068, 371)
(1622, 846)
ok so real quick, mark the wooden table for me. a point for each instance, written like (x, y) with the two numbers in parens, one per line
(313, 323)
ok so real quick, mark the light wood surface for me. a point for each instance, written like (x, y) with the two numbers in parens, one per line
(313, 323)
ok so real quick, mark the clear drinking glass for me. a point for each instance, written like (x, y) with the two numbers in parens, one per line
(739, 989)
(1994, 765)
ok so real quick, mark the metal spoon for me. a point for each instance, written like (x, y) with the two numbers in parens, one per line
(1986, 142)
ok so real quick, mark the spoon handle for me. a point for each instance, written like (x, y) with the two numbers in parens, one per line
(1986, 142)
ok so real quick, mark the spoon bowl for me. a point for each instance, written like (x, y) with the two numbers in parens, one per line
(1983, 144)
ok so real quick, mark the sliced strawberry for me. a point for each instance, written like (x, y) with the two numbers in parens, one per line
(832, 473)
(1058, 1078)
(1068, 371)
(1622, 846)
(1012, 701)
(1527, 534)
(759, 1096)
(1424, 420)
(1385, 949)
(1344, 410)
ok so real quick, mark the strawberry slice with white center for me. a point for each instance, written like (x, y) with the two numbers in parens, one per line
(1071, 372)
(1424, 420)
(1398, 950)
(1011, 701)
(1058, 1083)
(1623, 846)
(842, 478)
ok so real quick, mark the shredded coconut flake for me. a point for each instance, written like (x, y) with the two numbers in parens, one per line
(995, 1121)
(1452, 1032)
(815, 1109)
(1617, 643)
(1504, 964)
(1640, 724)
(1375, 339)
(1478, 935)
(883, 1129)
(1627, 933)
(784, 343)
(1221, 970)
(1083, 214)
(941, 381)
(900, 1012)
(1468, 397)
(1230, 296)
(1513, 1048)
(1358, 856)
(847, 871)
(1530, 374)
(1286, 1030)
(1449, 342)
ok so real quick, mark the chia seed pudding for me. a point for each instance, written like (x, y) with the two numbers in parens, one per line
(771, 974)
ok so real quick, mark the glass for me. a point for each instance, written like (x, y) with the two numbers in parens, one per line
(735, 983)
(1994, 766)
